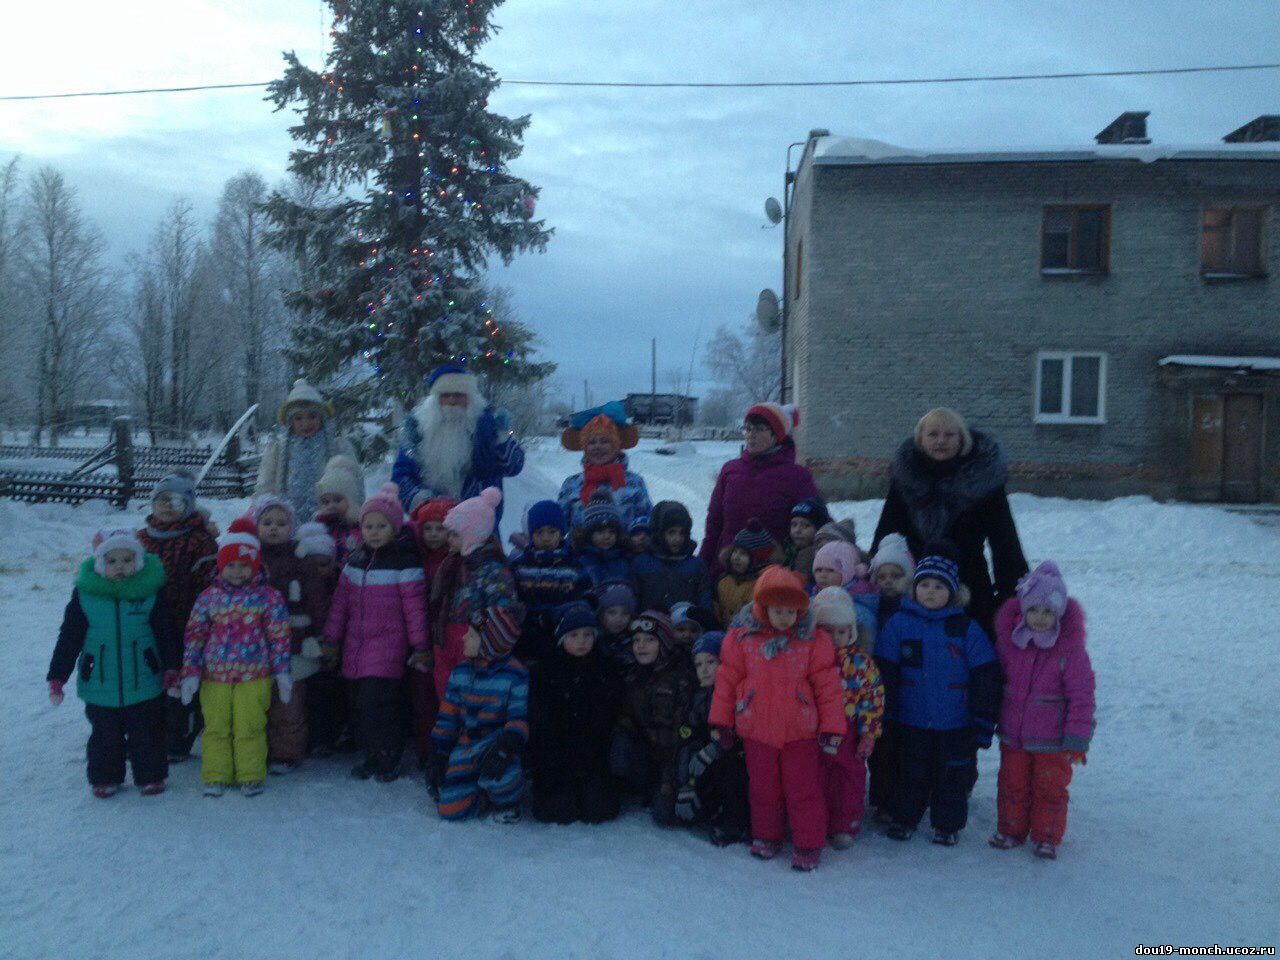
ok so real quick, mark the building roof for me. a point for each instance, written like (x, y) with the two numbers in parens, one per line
(1251, 364)
(856, 151)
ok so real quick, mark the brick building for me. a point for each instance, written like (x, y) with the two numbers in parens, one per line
(1111, 313)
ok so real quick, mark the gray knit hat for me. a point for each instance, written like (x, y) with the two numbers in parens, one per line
(180, 484)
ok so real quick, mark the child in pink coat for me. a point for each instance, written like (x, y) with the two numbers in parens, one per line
(378, 618)
(779, 690)
(1046, 719)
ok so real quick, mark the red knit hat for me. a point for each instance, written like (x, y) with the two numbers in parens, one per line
(240, 544)
(781, 417)
(433, 510)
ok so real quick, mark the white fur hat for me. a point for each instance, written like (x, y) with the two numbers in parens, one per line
(304, 394)
(343, 476)
(314, 541)
(893, 549)
(833, 607)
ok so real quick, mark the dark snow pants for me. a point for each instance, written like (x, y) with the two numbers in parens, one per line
(723, 795)
(136, 732)
(589, 795)
(375, 709)
(183, 724)
(935, 772)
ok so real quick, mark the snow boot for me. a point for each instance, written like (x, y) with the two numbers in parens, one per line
(805, 861)
(509, 814)
(252, 788)
(178, 758)
(1045, 850)
(765, 849)
(361, 771)
(152, 789)
(104, 791)
(387, 776)
(214, 789)
(720, 837)
(840, 841)
(946, 838)
(1002, 842)
(280, 768)
(897, 831)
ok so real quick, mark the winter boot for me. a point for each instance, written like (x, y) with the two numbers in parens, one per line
(361, 771)
(840, 841)
(509, 814)
(252, 788)
(765, 849)
(280, 768)
(152, 789)
(1002, 842)
(214, 789)
(946, 838)
(1045, 850)
(897, 831)
(720, 837)
(387, 776)
(805, 861)
(105, 790)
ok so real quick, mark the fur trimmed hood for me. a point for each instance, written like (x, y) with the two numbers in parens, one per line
(936, 493)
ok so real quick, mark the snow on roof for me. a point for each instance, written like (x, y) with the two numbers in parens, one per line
(854, 151)
(1258, 364)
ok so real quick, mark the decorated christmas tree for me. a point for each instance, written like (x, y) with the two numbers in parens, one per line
(404, 197)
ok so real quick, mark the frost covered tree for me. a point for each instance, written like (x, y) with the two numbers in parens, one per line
(10, 240)
(396, 130)
(747, 367)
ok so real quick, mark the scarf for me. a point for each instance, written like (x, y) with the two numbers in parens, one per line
(935, 494)
(594, 474)
(171, 531)
(1023, 636)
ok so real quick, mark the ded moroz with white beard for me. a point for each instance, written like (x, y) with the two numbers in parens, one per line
(453, 443)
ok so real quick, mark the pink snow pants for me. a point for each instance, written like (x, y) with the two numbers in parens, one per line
(844, 786)
(786, 784)
(447, 656)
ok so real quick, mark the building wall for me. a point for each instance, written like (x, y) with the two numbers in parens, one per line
(922, 288)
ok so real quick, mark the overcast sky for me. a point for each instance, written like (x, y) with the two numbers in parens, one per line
(655, 196)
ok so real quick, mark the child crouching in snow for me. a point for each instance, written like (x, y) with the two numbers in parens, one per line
(237, 641)
(117, 626)
(779, 690)
(1046, 720)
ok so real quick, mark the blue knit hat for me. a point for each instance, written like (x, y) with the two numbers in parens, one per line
(639, 525)
(709, 642)
(545, 513)
(618, 593)
(813, 510)
(600, 511)
(574, 616)
(181, 485)
(940, 568)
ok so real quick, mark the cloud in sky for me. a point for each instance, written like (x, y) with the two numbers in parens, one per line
(655, 195)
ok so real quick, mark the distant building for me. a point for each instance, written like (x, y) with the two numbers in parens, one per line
(1111, 313)
(661, 409)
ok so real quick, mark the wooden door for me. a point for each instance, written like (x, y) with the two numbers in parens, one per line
(1242, 447)
(1206, 444)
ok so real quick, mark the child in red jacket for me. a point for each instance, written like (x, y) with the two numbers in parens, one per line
(778, 688)
(432, 536)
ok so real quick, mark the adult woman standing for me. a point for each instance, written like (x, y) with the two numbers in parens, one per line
(764, 482)
(601, 434)
(947, 482)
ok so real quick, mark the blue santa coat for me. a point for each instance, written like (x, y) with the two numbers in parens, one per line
(495, 453)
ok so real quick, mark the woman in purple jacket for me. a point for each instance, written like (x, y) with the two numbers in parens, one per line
(765, 482)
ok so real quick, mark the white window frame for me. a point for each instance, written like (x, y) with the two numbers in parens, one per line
(1068, 362)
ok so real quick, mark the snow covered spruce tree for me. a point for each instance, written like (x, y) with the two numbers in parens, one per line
(394, 276)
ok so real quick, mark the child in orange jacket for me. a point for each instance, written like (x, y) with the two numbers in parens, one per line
(778, 688)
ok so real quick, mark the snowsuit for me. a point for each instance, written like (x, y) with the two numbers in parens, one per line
(764, 486)
(237, 641)
(124, 639)
(605, 566)
(545, 581)
(844, 774)
(303, 589)
(663, 579)
(465, 588)
(882, 766)
(779, 691)
(642, 754)
(377, 616)
(189, 554)
(799, 560)
(711, 783)
(485, 698)
(424, 702)
(291, 465)
(631, 499)
(327, 707)
(942, 683)
(732, 594)
(573, 706)
(1047, 712)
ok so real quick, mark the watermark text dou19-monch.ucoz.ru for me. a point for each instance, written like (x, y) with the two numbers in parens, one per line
(1169, 950)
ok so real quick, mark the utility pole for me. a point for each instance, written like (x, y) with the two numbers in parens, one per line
(653, 381)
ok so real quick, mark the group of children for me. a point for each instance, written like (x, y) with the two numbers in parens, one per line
(596, 664)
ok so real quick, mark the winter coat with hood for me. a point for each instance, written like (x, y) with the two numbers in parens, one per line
(664, 579)
(778, 687)
(940, 670)
(732, 594)
(962, 500)
(631, 499)
(189, 554)
(657, 696)
(573, 707)
(1048, 692)
(237, 634)
(764, 486)
(305, 589)
(604, 566)
(379, 610)
(122, 635)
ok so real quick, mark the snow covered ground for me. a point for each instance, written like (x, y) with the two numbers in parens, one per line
(1172, 838)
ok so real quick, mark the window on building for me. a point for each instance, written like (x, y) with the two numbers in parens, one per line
(1075, 240)
(1071, 387)
(1231, 242)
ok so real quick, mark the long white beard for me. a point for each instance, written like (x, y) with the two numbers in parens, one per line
(444, 454)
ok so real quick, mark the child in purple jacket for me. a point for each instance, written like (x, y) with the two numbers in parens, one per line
(1046, 720)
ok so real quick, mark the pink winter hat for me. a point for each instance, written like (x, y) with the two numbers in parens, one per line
(840, 556)
(386, 502)
(474, 520)
(1042, 587)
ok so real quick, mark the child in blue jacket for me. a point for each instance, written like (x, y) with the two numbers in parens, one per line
(671, 572)
(600, 542)
(942, 684)
(547, 577)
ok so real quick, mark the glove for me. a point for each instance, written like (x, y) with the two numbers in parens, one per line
(724, 736)
(284, 685)
(519, 540)
(171, 682)
(56, 696)
(687, 803)
(436, 767)
(329, 656)
(830, 743)
(500, 754)
(188, 689)
(311, 648)
(865, 746)
(1076, 757)
(981, 737)
(420, 660)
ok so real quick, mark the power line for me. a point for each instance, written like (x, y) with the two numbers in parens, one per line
(715, 85)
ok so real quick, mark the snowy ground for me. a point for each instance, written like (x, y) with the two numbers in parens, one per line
(1173, 832)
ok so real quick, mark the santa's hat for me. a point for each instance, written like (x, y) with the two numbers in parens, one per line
(240, 544)
(451, 378)
(782, 418)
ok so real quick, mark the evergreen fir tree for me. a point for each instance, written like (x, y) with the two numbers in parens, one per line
(401, 113)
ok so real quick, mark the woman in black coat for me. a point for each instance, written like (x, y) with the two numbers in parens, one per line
(947, 483)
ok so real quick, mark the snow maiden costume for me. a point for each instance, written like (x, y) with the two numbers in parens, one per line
(292, 464)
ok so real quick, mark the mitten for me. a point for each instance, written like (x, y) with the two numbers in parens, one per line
(284, 684)
(329, 656)
(830, 743)
(436, 768)
(420, 660)
(724, 736)
(56, 696)
(865, 747)
(311, 648)
(687, 803)
(188, 689)
(171, 682)
(1076, 757)
(519, 540)
(500, 754)
(703, 758)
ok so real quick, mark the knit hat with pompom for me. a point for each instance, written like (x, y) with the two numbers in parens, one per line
(474, 520)
(240, 544)
(386, 502)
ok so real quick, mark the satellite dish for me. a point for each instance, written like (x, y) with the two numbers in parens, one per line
(768, 313)
(773, 210)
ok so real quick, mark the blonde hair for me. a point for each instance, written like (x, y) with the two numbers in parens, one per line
(945, 414)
